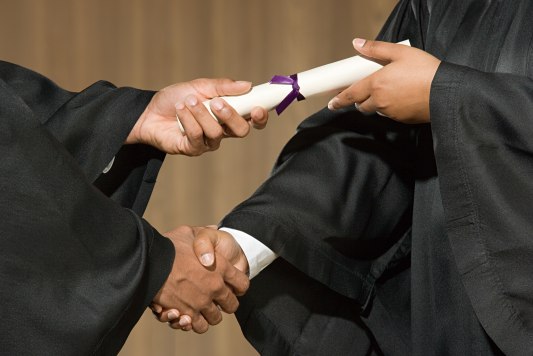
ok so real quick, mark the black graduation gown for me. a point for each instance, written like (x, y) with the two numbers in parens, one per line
(78, 268)
(401, 239)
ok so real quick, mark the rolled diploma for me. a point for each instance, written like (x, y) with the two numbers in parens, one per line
(327, 78)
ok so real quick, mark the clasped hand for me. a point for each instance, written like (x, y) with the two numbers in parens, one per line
(194, 294)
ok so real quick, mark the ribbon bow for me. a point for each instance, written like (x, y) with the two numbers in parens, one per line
(294, 94)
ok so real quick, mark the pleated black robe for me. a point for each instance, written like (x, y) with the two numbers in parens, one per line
(408, 240)
(77, 269)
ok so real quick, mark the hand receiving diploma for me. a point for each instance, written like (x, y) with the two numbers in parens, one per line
(400, 90)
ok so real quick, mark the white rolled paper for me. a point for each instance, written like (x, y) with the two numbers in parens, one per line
(332, 77)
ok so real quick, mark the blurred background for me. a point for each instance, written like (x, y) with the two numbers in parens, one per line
(150, 44)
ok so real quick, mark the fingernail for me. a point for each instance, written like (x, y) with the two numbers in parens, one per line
(191, 100)
(358, 42)
(158, 308)
(259, 115)
(180, 106)
(217, 104)
(333, 103)
(184, 321)
(207, 259)
(173, 315)
(242, 82)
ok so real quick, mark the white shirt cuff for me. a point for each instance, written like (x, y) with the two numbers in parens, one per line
(258, 255)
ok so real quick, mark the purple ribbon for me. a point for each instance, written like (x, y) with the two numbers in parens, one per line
(294, 94)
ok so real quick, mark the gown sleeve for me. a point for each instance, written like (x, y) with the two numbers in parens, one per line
(338, 201)
(482, 126)
(78, 269)
(92, 125)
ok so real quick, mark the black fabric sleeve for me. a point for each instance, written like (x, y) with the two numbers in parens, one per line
(482, 126)
(93, 125)
(77, 269)
(100, 116)
(338, 201)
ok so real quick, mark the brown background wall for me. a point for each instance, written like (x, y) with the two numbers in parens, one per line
(153, 43)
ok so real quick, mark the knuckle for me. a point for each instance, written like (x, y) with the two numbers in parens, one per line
(216, 132)
(377, 85)
(242, 130)
(234, 307)
(225, 294)
(195, 153)
(349, 96)
(185, 229)
(201, 327)
(196, 134)
(202, 243)
(216, 319)
(218, 285)
(215, 146)
(372, 47)
(203, 301)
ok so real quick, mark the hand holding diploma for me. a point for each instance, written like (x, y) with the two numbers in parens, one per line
(400, 90)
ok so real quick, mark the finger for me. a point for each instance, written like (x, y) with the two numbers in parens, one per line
(156, 308)
(186, 323)
(236, 125)
(212, 88)
(259, 118)
(367, 107)
(212, 314)
(204, 246)
(200, 325)
(227, 301)
(168, 316)
(231, 87)
(211, 129)
(356, 93)
(191, 128)
(383, 52)
(237, 280)
(183, 323)
(187, 328)
(175, 325)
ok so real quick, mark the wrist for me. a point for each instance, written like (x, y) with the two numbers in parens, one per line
(135, 133)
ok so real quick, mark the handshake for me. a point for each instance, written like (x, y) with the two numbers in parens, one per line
(209, 272)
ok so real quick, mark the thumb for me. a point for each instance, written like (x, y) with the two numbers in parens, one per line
(204, 246)
(231, 87)
(212, 88)
(381, 52)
